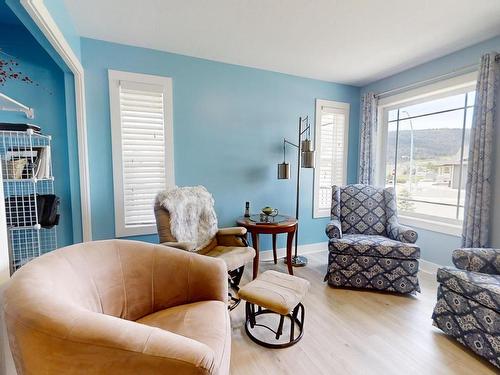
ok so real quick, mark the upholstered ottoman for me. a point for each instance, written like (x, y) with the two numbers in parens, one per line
(275, 293)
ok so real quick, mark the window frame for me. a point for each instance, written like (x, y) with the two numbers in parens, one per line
(165, 83)
(449, 87)
(345, 108)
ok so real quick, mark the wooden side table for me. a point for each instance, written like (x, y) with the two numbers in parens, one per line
(255, 229)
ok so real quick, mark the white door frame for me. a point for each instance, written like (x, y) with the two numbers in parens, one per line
(41, 16)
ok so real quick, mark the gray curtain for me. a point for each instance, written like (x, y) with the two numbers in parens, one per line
(368, 138)
(480, 166)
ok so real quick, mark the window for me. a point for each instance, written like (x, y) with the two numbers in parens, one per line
(331, 131)
(142, 140)
(425, 151)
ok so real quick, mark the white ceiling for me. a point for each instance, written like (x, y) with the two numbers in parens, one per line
(346, 41)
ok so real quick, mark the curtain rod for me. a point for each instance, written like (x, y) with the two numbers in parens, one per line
(455, 73)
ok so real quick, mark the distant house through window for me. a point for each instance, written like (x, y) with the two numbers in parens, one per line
(331, 131)
(425, 150)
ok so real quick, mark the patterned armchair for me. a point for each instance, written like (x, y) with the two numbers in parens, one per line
(368, 248)
(468, 301)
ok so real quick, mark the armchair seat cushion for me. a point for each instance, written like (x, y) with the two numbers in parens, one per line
(234, 256)
(480, 287)
(205, 322)
(373, 245)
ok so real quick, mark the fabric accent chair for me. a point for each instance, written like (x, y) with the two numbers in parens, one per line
(368, 248)
(229, 244)
(468, 301)
(119, 307)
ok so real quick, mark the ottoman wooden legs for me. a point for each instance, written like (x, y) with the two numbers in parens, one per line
(251, 322)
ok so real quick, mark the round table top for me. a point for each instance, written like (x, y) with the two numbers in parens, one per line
(247, 223)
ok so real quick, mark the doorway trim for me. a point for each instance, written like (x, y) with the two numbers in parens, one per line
(43, 19)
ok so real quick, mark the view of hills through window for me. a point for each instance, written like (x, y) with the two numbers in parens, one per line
(426, 160)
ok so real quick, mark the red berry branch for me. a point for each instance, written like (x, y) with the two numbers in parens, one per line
(9, 70)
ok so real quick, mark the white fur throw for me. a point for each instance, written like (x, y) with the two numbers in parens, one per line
(192, 214)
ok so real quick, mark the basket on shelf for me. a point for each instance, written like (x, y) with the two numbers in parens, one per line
(13, 169)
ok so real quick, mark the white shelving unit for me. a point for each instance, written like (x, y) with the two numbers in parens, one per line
(26, 166)
(9, 104)
(22, 154)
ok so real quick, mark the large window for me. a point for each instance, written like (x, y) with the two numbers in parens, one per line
(331, 131)
(426, 149)
(141, 124)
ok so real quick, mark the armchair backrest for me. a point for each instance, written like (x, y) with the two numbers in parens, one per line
(120, 278)
(364, 209)
(186, 214)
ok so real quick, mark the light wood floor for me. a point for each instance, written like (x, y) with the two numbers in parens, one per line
(357, 332)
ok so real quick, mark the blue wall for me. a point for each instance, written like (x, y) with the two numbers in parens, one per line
(22, 17)
(229, 123)
(437, 247)
(12, 12)
(64, 22)
(48, 101)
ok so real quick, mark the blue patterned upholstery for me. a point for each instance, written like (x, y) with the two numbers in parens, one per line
(480, 287)
(334, 229)
(368, 247)
(470, 323)
(468, 302)
(478, 260)
(378, 246)
(362, 210)
(388, 274)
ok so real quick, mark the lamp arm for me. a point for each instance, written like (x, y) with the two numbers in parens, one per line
(305, 129)
(285, 141)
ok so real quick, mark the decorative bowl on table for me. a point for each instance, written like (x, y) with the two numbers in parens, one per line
(269, 211)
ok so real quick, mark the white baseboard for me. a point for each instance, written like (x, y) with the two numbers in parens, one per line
(303, 249)
(428, 267)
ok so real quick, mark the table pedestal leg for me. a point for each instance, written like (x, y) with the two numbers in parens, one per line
(255, 244)
(289, 242)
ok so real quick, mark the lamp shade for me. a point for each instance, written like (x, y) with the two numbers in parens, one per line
(283, 171)
(306, 145)
(307, 159)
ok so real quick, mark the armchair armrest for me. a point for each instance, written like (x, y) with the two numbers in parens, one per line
(233, 236)
(232, 231)
(186, 245)
(146, 349)
(181, 277)
(402, 233)
(131, 347)
(477, 260)
(334, 229)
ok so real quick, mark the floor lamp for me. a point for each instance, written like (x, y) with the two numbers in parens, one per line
(305, 159)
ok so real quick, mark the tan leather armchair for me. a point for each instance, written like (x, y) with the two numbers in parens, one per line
(119, 307)
(229, 245)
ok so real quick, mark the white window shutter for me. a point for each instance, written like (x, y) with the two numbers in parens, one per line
(141, 118)
(143, 152)
(331, 144)
(331, 164)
